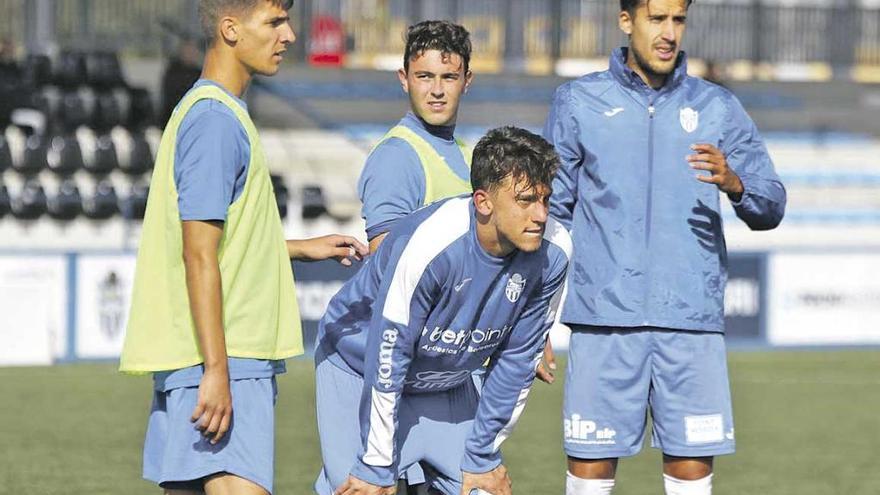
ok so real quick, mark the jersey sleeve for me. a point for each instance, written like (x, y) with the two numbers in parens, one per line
(511, 373)
(562, 131)
(405, 300)
(762, 204)
(391, 185)
(211, 157)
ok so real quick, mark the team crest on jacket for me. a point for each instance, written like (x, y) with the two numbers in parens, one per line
(689, 119)
(514, 287)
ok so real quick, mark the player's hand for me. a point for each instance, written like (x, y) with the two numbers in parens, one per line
(495, 482)
(213, 413)
(342, 248)
(355, 486)
(711, 159)
(547, 366)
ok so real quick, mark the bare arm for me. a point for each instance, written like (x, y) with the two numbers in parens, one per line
(201, 241)
(376, 241)
(342, 248)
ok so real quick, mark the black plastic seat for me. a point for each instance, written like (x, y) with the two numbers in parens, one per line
(5, 206)
(36, 71)
(135, 205)
(282, 194)
(5, 154)
(106, 114)
(140, 157)
(313, 203)
(72, 111)
(105, 159)
(140, 111)
(71, 70)
(67, 203)
(30, 203)
(104, 70)
(35, 153)
(64, 156)
(104, 203)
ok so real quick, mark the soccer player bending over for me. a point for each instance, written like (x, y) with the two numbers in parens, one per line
(213, 311)
(454, 283)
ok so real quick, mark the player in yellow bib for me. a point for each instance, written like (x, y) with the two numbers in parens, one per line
(419, 160)
(214, 311)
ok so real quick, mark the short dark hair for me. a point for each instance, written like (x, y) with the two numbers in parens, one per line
(210, 12)
(512, 152)
(443, 36)
(631, 5)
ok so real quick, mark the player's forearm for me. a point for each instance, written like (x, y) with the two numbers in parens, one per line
(203, 285)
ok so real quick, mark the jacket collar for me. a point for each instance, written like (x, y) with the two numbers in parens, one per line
(628, 78)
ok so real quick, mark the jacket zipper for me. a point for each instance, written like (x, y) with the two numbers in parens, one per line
(649, 208)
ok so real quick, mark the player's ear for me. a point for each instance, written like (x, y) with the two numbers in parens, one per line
(624, 21)
(229, 29)
(401, 75)
(483, 202)
(468, 79)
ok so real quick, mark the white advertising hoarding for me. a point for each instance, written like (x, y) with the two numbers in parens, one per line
(824, 299)
(103, 298)
(33, 302)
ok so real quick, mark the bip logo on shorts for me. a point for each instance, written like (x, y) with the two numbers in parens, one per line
(584, 431)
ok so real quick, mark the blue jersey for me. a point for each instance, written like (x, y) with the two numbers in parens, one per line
(650, 243)
(430, 307)
(392, 184)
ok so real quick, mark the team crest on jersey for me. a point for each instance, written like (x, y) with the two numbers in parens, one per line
(514, 287)
(689, 119)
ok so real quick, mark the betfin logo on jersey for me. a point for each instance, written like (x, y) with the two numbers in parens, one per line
(689, 119)
(514, 287)
(584, 431)
(386, 351)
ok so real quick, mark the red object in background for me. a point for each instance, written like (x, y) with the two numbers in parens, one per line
(327, 43)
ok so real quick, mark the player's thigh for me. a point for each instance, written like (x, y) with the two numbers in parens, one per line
(229, 484)
(437, 426)
(338, 394)
(606, 392)
(690, 398)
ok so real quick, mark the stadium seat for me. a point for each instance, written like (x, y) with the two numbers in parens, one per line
(104, 203)
(5, 154)
(282, 194)
(140, 156)
(104, 160)
(71, 71)
(30, 203)
(66, 204)
(72, 111)
(104, 70)
(36, 71)
(35, 154)
(5, 206)
(106, 114)
(64, 156)
(135, 205)
(313, 204)
(140, 112)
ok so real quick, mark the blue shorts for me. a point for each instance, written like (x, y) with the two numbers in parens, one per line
(432, 429)
(614, 375)
(178, 456)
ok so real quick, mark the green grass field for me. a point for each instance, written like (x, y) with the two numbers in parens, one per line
(806, 423)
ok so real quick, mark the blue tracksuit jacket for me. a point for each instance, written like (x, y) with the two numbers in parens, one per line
(648, 240)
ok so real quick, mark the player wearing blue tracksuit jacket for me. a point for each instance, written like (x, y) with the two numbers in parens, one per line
(456, 283)
(645, 150)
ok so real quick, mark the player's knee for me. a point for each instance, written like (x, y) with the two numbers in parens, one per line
(687, 468)
(579, 486)
(592, 469)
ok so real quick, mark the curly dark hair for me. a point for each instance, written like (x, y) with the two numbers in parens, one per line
(631, 5)
(210, 12)
(443, 36)
(512, 152)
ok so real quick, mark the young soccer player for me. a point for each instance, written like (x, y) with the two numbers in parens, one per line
(420, 161)
(455, 283)
(213, 311)
(645, 150)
